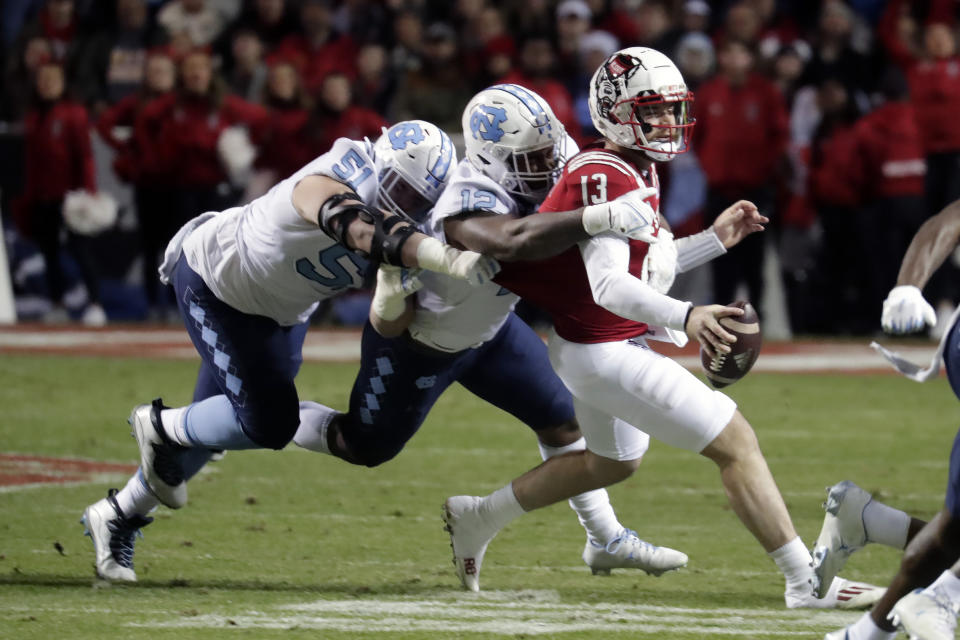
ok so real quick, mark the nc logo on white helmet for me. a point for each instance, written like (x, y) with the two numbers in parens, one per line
(485, 122)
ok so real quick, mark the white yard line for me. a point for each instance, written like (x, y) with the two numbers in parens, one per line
(516, 612)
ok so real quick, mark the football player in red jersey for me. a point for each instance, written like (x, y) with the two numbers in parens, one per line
(604, 300)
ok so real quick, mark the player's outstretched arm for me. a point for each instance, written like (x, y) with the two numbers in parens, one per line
(536, 237)
(934, 241)
(339, 212)
(905, 310)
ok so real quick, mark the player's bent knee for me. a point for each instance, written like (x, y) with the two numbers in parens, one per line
(273, 428)
(607, 471)
(560, 435)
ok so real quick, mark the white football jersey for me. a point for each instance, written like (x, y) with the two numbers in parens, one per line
(451, 315)
(264, 259)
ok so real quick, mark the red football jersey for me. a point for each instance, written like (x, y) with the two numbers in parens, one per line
(559, 285)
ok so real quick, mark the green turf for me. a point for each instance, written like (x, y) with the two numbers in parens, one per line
(298, 545)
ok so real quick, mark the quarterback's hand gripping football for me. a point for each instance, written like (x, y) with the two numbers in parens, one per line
(905, 311)
(630, 215)
(476, 268)
(703, 325)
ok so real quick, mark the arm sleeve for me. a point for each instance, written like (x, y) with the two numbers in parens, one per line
(607, 259)
(698, 249)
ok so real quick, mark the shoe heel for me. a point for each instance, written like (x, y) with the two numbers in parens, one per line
(600, 572)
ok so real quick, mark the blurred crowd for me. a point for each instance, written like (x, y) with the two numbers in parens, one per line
(838, 118)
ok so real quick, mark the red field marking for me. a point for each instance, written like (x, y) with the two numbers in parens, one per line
(22, 470)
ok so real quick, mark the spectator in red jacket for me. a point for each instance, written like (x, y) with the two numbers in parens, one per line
(934, 79)
(933, 75)
(178, 136)
(893, 182)
(152, 191)
(318, 48)
(58, 159)
(836, 189)
(335, 116)
(740, 139)
(285, 147)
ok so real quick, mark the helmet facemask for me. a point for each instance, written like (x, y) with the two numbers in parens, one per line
(644, 115)
(531, 173)
(396, 194)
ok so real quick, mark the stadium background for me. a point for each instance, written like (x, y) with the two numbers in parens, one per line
(836, 117)
(295, 545)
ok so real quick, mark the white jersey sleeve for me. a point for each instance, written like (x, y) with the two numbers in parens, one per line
(451, 315)
(264, 259)
(607, 261)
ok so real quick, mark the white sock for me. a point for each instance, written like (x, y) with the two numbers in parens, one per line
(314, 421)
(866, 629)
(794, 560)
(174, 424)
(947, 587)
(886, 525)
(500, 508)
(593, 507)
(135, 498)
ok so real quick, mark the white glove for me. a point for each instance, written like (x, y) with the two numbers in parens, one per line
(477, 269)
(394, 284)
(660, 266)
(629, 215)
(906, 311)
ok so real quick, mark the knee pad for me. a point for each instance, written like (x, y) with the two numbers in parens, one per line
(271, 429)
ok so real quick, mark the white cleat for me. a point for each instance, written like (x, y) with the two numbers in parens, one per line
(159, 456)
(925, 615)
(469, 537)
(842, 532)
(843, 594)
(628, 551)
(839, 634)
(113, 535)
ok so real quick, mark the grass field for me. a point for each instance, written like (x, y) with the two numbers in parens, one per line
(299, 545)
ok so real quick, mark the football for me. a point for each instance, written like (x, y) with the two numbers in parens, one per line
(727, 368)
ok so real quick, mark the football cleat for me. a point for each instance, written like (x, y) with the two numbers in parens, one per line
(842, 532)
(159, 456)
(925, 614)
(628, 551)
(469, 537)
(843, 594)
(839, 634)
(113, 535)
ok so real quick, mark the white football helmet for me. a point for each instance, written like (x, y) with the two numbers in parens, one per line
(513, 137)
(413, 160)
(634, 86)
